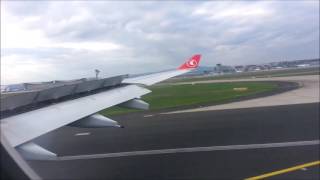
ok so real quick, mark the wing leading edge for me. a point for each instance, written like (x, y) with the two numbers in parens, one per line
(153, 78)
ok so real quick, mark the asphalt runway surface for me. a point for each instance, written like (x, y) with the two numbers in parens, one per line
(222, 144)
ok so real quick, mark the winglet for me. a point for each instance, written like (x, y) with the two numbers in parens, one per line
(193, 62)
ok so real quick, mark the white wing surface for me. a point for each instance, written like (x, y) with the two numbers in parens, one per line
(24, 127)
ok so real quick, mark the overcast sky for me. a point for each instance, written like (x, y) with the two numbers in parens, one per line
(42, 41)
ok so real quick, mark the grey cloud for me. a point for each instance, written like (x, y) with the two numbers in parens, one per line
(26, 8)
(159, 35)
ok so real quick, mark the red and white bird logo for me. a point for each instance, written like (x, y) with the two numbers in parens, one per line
(192, 63)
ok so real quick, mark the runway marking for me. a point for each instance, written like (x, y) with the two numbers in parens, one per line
(83, 134)
(187, 150)
(149, 115)
(294, 168)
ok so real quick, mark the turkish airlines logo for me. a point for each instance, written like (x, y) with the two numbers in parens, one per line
(192, 63)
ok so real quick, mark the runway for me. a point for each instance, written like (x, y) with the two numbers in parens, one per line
(221, 144)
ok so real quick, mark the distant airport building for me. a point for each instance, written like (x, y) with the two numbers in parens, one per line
(201, 70)
(239, 68)
(224, 69)
(221, 69)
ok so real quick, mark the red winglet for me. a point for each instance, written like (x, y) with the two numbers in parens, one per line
(191, 63)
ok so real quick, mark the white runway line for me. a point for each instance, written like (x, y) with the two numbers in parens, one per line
(83, 134)
(193, 149)
(149, 115)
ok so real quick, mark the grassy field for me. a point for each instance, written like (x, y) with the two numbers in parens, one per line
(256, 74)
(169, 96)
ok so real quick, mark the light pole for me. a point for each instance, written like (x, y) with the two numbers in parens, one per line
(218, 68)
(97, 72)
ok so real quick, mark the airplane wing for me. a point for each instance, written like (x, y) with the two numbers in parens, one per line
(81, 110)
(151, 79)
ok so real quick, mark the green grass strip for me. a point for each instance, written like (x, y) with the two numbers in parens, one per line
(171, 96)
